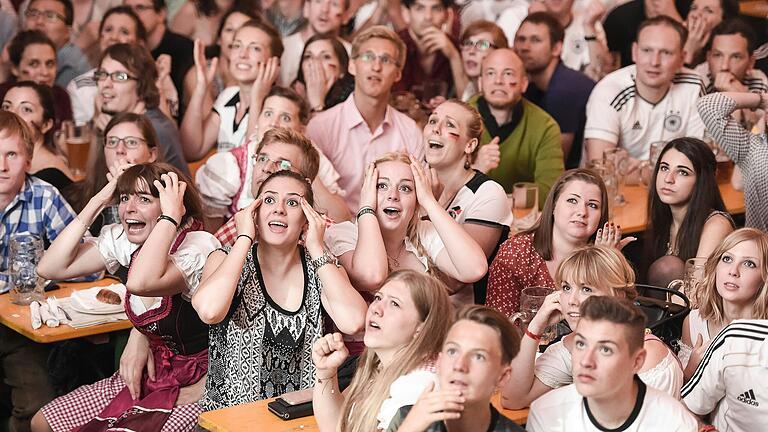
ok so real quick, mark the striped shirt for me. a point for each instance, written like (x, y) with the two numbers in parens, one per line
(732, 378)
(748, 151)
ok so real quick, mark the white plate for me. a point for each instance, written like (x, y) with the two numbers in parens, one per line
(85, 301)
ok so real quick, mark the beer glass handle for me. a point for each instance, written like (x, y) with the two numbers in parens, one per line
(517, 316)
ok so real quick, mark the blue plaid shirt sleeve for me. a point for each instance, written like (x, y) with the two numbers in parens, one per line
(57, 215)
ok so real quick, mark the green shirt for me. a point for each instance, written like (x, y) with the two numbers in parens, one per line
(531, 153)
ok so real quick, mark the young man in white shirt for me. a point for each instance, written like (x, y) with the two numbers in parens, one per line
(731, 381)
(652, 100)
(607, 393)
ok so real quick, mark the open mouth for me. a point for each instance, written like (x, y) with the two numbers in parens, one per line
(277, 226)
(135, 226)
(574, 314)
(242, 66)
(373, 325)
(730, 286)
(435, 144)
(392, 211)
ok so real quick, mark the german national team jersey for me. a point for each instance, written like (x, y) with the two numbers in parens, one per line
(732, 379)
(618, 114)
(755, 80)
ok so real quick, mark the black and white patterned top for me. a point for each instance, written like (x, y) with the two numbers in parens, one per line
(748, 151)
(261, 350)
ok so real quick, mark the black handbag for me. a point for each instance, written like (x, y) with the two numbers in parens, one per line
(286, 411)
(665, 311)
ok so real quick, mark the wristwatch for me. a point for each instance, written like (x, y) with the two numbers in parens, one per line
(325, 258)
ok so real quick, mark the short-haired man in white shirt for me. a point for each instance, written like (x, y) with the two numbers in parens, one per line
(731, 381)
(607, 393)
(652, 100)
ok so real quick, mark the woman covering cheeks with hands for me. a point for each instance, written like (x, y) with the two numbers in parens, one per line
(266, 301)
(390, 235)
(161, 243)
(587, 271)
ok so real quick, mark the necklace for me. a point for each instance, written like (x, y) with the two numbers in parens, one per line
(395, 262)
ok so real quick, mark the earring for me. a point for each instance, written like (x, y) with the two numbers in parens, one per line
(467, 163)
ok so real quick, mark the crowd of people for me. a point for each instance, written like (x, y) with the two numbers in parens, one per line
(324, 191)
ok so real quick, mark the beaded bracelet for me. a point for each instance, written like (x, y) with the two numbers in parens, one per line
(169, 219)
(365, 210)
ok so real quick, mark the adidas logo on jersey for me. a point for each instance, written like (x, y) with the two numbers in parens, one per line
(748, 397)
(636, 126)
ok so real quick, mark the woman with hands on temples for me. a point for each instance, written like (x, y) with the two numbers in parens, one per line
(390, 235)
(160, 209)
(266, 300)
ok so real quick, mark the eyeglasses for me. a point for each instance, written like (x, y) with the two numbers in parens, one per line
(370, 57)
(119, 76)
(280, 164)
(480, 45)
(129, 142)
(141, 8)
(49, 15)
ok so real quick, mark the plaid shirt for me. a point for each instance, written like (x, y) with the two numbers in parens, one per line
(37, 209)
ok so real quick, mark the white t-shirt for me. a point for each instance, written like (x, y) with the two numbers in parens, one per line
(290, 61)
(218, 181)
(480, 201)
(553, 369)
(564, 409)
(617, 114)
(575, 53)
(189, 258)
(732, 378)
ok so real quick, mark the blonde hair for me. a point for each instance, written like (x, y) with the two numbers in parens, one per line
(370, 386)
(412, 232)
(380, 32)
(710, 301)
(474, 125)
(599, 267)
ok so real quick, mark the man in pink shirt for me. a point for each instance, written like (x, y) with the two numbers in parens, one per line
(354, 133)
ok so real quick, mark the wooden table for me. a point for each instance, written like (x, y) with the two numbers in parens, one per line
(632, 215)
(256, 416)
(17, 317)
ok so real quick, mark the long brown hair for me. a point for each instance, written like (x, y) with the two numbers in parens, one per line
(542, 231)
(710, 301)
(370, 386)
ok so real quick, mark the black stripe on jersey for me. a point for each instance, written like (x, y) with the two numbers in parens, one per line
(694, 79)
(626, 92)
(625, 101)
(476, 181)
(745, 330)
(483, 222)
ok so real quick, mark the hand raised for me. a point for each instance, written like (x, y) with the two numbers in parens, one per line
(171, 191)
(328, 353)
(610, 235)
(550, 312)
(204, 72)
(369, 191)
(488, 156)
(245, 219)
(433, 406)
(423, 184)
(315, 229)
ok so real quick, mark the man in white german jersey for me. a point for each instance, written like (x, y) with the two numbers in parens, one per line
(652, 100)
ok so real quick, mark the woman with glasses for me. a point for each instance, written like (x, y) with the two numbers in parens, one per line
(34, 103)
(254, 63)
(129, 139)
(477, 41)
(323, 79)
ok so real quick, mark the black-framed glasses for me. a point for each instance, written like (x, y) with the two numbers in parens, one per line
(130, 142)
(119, 76)
(370, 57)
(480, 44)
(280, 164)
(49, 15)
